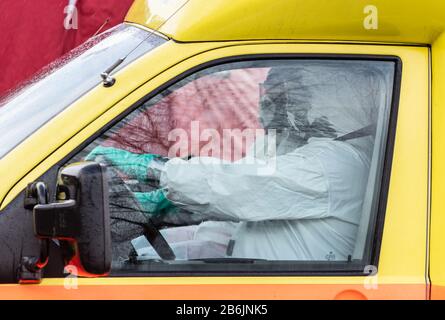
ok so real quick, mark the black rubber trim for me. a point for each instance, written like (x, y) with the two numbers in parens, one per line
(234, 269)
(225, 269)
(387, 166)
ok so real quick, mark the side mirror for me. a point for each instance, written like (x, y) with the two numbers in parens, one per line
(80, 219)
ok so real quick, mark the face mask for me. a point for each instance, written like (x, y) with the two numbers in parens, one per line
(275, 111)
(297, 125)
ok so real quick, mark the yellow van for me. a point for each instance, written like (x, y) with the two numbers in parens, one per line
(127, 171)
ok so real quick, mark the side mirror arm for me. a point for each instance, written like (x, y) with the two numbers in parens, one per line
(30, 268)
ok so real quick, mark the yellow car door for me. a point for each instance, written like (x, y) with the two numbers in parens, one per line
(388, 258)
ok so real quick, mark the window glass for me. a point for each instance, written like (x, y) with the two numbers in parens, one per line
(268, 162)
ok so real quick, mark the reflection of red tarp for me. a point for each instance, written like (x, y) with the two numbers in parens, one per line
(33, 35)
(214, 102)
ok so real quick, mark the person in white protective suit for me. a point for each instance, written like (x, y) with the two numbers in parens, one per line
(309, 206)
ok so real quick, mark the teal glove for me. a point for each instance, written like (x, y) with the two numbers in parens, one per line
(132, 164)
(154, 202)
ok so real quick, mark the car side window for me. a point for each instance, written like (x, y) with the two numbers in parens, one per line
(270, 165)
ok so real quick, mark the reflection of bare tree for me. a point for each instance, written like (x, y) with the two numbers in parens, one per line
(216, 102)
(147, 132)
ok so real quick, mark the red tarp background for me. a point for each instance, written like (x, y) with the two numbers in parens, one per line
(32, 33)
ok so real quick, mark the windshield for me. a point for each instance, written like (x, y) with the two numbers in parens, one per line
(67, 79)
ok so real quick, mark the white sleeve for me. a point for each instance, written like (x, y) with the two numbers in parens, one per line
(296, 189)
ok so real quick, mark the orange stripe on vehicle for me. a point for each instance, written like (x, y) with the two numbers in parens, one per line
(437, 292)
(220, 292)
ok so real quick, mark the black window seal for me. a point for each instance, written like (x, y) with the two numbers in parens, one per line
(342, 268)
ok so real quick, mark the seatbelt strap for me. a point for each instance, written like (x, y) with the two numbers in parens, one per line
(230, 246)
(363, 132)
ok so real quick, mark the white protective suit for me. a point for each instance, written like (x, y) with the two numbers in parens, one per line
(310, 206)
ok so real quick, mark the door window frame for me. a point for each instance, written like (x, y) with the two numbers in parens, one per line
(309, 268)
